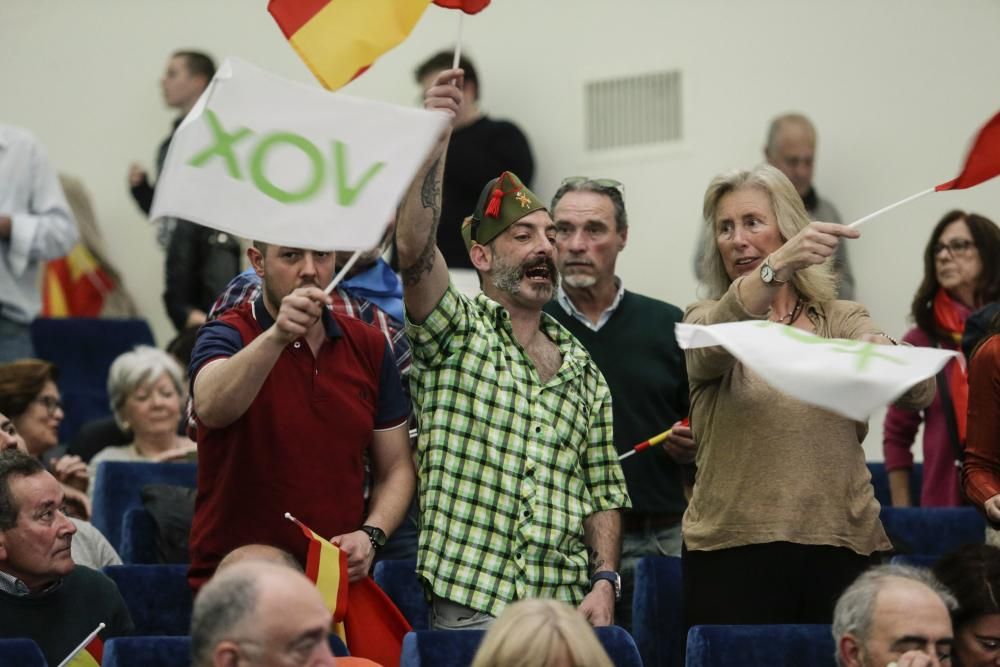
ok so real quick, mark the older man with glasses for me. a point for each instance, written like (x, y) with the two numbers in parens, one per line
(648, 385)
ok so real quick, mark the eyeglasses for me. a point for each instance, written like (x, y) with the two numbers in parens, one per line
(576, 181)
(51, 403)
(955, 247)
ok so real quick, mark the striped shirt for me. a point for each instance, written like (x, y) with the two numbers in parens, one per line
(509, 467)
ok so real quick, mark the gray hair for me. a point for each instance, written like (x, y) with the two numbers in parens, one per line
(592, 185)
(855, 609)
(14, 463)
(225, 603)
(816, 283)
(133, 369)
(778, 123)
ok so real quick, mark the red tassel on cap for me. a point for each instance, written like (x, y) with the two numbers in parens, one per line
(493, 208)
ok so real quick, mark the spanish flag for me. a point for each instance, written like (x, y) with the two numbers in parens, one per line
(89, 654)
(340, 39)
(75, 285)
(372, 626)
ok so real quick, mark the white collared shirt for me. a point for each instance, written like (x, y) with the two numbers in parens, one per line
(567, 304)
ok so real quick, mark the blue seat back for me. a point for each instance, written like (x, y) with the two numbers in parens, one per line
(933, 531)
(21, 652)
(760, 646)
(457, 648)
(83, 349)
(880, 481)
(657, 611)
(147, 651)
(158, 597)
(398, 578)
(138, 540)
(117, 486)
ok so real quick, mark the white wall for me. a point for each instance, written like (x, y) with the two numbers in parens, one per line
(896, 88)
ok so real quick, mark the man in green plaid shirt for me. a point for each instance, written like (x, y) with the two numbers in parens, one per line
(519, 478)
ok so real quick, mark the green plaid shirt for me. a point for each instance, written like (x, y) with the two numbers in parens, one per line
(509, 467)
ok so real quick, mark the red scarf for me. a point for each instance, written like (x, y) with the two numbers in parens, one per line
(950, 317)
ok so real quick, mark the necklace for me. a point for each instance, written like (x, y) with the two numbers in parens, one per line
(792, 315)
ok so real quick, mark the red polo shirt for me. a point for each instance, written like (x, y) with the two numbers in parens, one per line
(298, 448)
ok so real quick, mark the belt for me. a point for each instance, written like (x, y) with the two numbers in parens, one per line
(635, 521)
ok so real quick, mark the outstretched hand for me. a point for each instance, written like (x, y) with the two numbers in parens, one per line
(813, 245)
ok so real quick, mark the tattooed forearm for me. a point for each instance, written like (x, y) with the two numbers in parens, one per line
(596, 561)
(430, 198)
(411, 275)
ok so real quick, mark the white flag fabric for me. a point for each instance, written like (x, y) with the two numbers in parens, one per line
(282, 162)
(850, 377)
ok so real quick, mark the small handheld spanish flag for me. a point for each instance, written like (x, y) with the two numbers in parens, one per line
(89, 653)
(364, 616)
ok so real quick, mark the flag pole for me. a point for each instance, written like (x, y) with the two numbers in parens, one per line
(343, 272)
(879, 212)
(655, 440)
(458, 42)
(82, 645)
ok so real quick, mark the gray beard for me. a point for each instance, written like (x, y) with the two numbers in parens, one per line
(580, 280)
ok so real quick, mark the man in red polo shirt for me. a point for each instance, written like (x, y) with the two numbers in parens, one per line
(287, 396)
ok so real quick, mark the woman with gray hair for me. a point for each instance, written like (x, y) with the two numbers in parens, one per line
(783, 516)
(146, 388)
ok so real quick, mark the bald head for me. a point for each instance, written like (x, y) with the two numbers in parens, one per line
(259, 552)
(263, 614)
(791, 147)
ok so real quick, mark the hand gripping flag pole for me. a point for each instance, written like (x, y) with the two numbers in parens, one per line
(655, 440)
(981, 164)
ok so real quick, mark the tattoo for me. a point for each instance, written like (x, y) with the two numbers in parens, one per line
(596, 562)
(430, 197)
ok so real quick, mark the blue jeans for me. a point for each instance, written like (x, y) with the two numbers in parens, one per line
(15, 341)
(637, 544)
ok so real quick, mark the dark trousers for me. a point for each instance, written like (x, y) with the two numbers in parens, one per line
(776, 582)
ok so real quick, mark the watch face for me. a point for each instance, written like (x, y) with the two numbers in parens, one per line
(766, 273)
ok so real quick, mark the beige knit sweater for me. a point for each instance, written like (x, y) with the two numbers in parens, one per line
(771, 468)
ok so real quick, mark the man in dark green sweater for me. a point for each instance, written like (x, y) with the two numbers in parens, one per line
(44, 596)
(631, 339)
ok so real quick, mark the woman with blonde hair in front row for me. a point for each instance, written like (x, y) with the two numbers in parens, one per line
(541, 633)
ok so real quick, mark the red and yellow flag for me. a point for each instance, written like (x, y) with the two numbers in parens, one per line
(75, 285)
(340, 39)
(372, 627)
(91, 654)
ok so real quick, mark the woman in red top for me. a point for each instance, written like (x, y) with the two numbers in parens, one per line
(961, 273)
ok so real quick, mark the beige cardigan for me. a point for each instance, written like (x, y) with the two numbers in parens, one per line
(771, 468)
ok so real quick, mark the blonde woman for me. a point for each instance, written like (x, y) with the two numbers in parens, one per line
(541, 633)
(783, 516)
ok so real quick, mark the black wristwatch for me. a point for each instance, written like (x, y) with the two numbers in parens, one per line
(376, 535)
(613, 578)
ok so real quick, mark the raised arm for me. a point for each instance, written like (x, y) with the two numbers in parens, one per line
(421, 264)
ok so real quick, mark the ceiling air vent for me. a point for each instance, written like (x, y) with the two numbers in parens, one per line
(633, 111)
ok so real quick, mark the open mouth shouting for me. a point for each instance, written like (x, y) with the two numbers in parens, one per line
(541, 271)
(746, 264)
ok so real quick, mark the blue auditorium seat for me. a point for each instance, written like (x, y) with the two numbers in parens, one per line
(880, 480)
(658, 611)
(83, 349)
(457, 648)
(398, 578)
(760, 646)
(157, 596)
(117, 486)
(138, 540)
(21, 652)
(147, 651)
(932, 531)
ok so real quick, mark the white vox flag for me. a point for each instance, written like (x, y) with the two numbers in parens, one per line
(849, 377)
(282, 162)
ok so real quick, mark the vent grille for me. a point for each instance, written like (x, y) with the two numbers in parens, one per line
(633, 111)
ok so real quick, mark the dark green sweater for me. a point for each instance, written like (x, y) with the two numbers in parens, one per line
(638, 355)
(60, 620)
